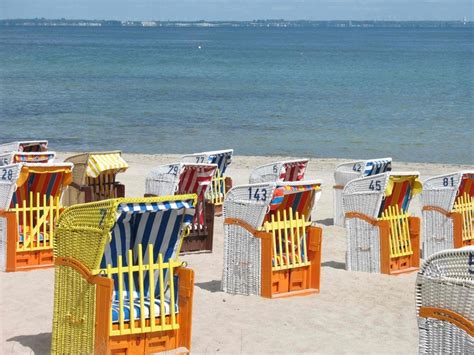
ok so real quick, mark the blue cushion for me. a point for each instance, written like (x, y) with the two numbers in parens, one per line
(136, 302)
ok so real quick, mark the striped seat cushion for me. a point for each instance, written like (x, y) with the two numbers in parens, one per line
(158, 224)
(136, 306)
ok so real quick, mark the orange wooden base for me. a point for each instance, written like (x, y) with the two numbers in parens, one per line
(292, 282)
(144, 343)
(23, 260)
(402, 264)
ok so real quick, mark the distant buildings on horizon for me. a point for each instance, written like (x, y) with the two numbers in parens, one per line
(255, 23)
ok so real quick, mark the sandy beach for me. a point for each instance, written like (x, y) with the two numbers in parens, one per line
(354, 312)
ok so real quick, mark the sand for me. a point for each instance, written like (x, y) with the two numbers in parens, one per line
(354, 312)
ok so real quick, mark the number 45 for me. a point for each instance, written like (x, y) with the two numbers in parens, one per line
(375, 185)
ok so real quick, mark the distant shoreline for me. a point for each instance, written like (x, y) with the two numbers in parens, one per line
(252, 24)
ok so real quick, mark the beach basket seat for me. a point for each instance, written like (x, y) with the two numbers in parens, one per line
(95, 177)
(445, 302)
(21, 157)
(24, 146)
(271, 248)
(346, 172)
(382, 237)
(119, 286)
(448, 212)
(30, 197)
(221, 182)
(186, 178)
(284, 170)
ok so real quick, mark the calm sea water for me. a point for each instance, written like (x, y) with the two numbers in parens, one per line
(348, 93)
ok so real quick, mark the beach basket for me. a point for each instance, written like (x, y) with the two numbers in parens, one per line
(445, 302)
(221, 182)
(346, 172)
(448, 212)
(21, 157)
(186, 178)
(30, 197)
(382, 237)
(95, 177)
(284, 170)
(119, 286)
(24, 146)
(271, 248)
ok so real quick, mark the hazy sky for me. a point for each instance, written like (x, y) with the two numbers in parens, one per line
(239, 9)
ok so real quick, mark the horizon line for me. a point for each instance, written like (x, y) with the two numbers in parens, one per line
(228, 20)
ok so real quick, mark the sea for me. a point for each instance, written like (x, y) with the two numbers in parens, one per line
(405, 93)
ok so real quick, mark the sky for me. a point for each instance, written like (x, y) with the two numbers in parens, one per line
(241, 10)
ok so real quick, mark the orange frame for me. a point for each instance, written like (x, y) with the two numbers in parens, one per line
(395, 265)
(144, 343)
(298, 281)
(23, 260)
(457, 226)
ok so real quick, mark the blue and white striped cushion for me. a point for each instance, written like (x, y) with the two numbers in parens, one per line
(222, 161)
(374, 167)
(136, 302)
(158, 224)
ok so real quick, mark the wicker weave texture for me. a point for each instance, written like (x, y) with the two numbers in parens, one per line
(3, 243)
(242, 251)
(8, 178)
(342, 175)
(358, 196)
(83, 231)
(438, 233)
(441, 191)
(446, 281)
(266, 173)
(163, 180)
(345, 173)
(363, 246)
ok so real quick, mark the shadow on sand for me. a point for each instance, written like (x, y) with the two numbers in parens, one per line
(211, 286)
(38, 343)
(326, 222)
(334, 265)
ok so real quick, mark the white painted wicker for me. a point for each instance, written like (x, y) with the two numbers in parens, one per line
(242, 251)
(272, 172)
(365, 195)
(3, 243)
(346, 172)
(164, 180)
(17, 146)
(223, 158)
(9, 158)
(439, 191)
(446, 281)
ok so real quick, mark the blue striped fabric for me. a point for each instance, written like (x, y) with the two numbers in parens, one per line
(159, 224)
(374, 167)
(222, 160)
(146, 303)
